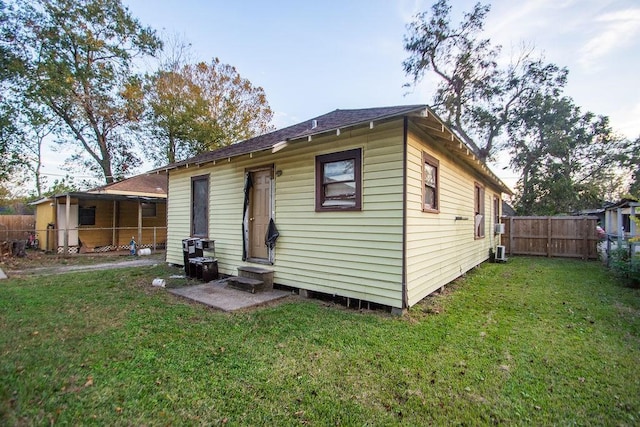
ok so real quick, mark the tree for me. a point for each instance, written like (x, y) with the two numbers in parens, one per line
(35, 125)
(8, 70)
(63, 185)
(76, 59)
(8, 134)
(631, 161)
(193, 108)
(568, 159)
(476, 97)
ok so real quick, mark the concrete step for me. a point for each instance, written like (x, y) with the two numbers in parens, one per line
(257, 273)
(246, 284)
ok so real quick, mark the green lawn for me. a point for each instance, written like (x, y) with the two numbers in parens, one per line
(534, 341)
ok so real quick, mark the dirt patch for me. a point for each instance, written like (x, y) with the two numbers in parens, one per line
(38, 263)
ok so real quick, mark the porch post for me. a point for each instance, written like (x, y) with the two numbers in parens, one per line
(632, 229)
(113, 226)
(66, 226)
(620, 230)
(139, 222)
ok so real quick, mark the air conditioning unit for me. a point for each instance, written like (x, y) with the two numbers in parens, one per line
(501, 254)
(499, 228)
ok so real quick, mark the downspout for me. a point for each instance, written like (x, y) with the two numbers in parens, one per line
(405, 139)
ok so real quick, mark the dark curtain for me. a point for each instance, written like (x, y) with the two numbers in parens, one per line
(248, 185)
(272, 235)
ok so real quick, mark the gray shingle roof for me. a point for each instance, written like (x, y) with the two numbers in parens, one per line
(342, 119)
(336, 119)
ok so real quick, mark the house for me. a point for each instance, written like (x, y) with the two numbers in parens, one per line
(597, 212)
(507, 209)
(384, 205)
(618, 223)
(105, 218)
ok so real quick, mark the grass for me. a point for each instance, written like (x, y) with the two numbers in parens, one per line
(535, 341)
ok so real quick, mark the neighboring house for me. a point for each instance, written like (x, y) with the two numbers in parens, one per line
(384, 205)
(598, 213)
(105, 218)
(618, 223)
(507, 209)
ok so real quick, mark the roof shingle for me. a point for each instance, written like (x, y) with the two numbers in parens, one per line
(150, 184)
(336, 119)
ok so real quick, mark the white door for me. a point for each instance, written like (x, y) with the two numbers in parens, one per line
(73, 224)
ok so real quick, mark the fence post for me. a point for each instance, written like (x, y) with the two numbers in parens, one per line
(549, 237)
(585, 239)
(154, 240)
(511, 233)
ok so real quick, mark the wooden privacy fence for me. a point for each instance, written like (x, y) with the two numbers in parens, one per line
(16, 227)
(551, 236)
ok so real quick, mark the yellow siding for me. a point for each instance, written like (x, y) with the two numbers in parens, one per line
(98, 234)
(128, 218)
(45, 214)
(178, 213)
(352, 254)
(126, 212)
(439, 247)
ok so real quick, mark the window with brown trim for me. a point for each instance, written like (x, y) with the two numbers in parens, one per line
(496, 209)
(200, 206)
(338, 181)
(430, 184)
(479, 217)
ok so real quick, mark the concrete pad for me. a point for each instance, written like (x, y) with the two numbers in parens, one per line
(2, 275)
(218, 295)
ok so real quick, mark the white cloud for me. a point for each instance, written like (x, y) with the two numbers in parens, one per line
(626, 121)
(618, 30)
(407, 9)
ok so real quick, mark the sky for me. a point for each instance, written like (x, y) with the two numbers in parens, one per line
(315, 57)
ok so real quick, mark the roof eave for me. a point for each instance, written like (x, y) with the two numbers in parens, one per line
(458, 147)
(109, 196)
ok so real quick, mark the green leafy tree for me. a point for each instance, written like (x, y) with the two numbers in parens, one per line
(76, 59)
(193, 108)
(631, 162)
(176, 116)
(476, 97)
(8, 135)
(63, 185)
(8, 70)
(568, 160)
(35, 125)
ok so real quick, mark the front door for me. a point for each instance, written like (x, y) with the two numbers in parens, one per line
(259, 213)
